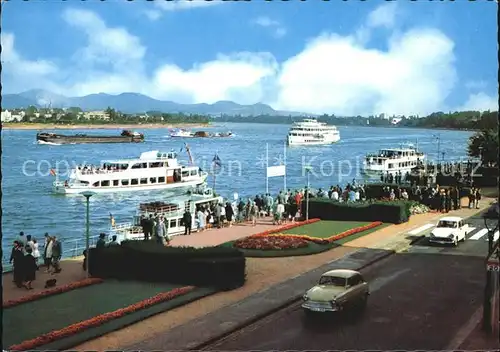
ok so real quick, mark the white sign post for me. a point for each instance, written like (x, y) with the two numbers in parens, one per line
(275, 171)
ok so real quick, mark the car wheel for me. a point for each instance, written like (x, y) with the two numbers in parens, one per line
(455, 242)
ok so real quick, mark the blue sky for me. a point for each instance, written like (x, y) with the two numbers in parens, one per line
(336, 57)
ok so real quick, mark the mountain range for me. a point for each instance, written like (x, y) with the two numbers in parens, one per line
(133, 103)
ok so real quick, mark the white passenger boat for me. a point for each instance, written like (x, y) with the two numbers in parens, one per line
(154, 170)
(182, 134)
(312, 132)
(393, 160)
(172, 210)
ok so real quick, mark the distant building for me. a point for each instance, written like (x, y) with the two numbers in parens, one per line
(100, 115)
(396, 120)
(8, 116)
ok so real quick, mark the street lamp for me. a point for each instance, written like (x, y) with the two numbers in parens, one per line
(490, 218)
(87, 195)
(308, 171)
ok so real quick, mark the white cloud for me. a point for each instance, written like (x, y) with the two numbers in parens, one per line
(476, 85)
(479, 102)
(332, 73)
(18, 70)
(383, 16)
(153, 15)
(276, 28)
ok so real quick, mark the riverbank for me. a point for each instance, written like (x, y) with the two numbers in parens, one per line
(53, 126)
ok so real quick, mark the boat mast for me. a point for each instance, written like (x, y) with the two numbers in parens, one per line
(189, 154)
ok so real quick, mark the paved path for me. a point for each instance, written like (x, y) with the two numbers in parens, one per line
(73, 271)
(418, 301)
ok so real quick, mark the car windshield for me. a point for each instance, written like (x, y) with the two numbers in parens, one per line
(447, 224)
(332, 280)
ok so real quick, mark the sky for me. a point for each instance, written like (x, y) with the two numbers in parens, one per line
(343, 58)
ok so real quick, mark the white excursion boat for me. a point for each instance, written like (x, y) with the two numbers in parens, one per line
(393, 160)
(172, 211)
(312, 132)
(182, 134)
(153, 170)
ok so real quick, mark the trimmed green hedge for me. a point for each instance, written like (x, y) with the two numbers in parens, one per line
(218, 267)
(395, 212)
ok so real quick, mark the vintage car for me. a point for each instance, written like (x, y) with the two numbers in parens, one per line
(449, 230)
(337, 290)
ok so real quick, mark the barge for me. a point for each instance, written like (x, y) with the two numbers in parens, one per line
(54, 138)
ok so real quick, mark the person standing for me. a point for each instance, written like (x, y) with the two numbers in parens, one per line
(229, 214)
(29, 268)
(187, 221)
(161, 230)
(16, 258)
(47, 254)
(101, 242)
(36, 251)
(201, 217)
(56, 254)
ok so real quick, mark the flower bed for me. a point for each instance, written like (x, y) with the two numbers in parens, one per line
(52, 291)
(98, 320)
(286, 227)
(265, 241)
(271, 242)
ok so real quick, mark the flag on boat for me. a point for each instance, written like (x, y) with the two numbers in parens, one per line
(217, 160)
(53, 172)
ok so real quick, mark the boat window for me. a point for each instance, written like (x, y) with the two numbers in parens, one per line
(193, 172)
(96, 184)
(115, 182)
(144, 181)
(84, 182)
(105, 183)
(391, 166)
(156, 164)
(152, 180)
(185, 173)
(161, 179)
(173, 223)
(134, 181)
(125, 182)
(140, 166)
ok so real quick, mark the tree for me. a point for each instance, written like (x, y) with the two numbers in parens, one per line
(31, 110)
(484, 145)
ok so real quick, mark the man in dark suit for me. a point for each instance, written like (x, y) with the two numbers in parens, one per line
(187, 221)
(144, 225)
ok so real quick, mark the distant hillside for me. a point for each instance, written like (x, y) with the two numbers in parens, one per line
(134, 103)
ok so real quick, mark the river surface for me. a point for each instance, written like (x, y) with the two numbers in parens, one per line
(28, 203)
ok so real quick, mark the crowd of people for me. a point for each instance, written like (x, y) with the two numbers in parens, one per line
(25, 258)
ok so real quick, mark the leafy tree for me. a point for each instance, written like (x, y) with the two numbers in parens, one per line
(31, 110)
(484, 145)
(74, 110)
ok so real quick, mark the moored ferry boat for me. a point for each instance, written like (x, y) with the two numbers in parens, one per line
(153, 170)
(171, 210)
(312, 132)
(393, 160)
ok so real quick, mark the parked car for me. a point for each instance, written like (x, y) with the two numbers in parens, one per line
(449, 230)
(336, 291)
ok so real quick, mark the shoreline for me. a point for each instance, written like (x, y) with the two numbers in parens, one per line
(51, 126)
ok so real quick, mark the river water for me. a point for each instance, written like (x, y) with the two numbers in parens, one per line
(28, 203)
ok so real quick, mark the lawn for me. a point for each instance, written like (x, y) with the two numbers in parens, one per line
(325, 228)
(30, 320)
(320, 229)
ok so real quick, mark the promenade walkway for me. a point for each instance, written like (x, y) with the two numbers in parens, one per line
(72, 269)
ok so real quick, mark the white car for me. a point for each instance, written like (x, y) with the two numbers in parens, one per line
(449, 230)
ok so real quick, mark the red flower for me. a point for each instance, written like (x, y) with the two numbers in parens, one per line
(99, 320)
(271, 242)
(53, 291)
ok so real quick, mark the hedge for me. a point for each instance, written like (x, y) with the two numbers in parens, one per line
(395, 212)
(217, 267)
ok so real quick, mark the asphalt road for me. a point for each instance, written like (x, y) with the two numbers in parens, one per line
(419, 300)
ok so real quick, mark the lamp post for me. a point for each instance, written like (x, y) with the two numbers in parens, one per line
(438, 138)
(490, 218)
(87, 195)
(308, 170)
